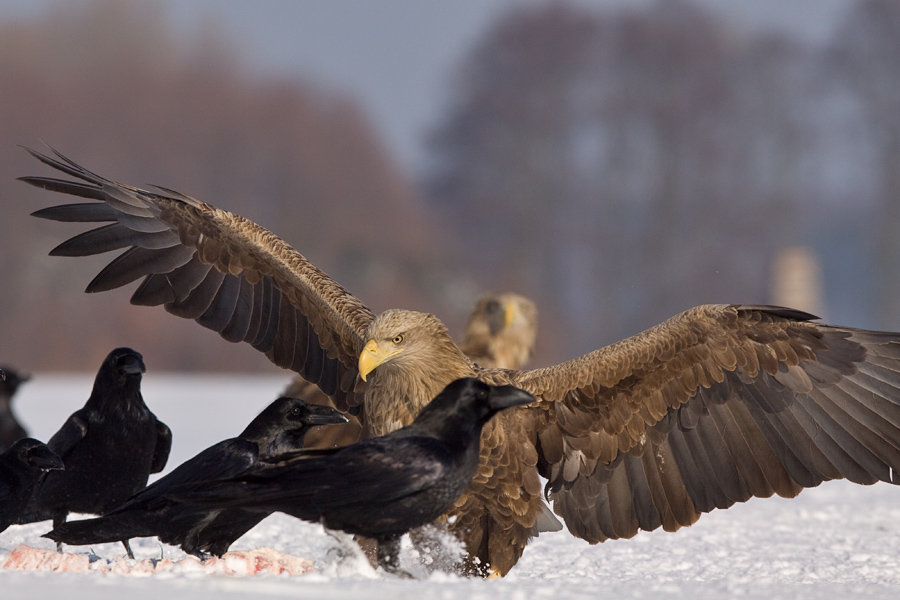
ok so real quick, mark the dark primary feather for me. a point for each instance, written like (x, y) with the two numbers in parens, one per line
(199, 530)
(381, 487)
(21, 467)
(711, 407)
(110, 447)
(10, 428)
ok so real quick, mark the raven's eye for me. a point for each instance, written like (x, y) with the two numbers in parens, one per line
(295, 411)
(482, 394)
(397, 339)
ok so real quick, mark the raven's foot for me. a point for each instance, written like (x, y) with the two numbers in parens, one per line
(389, 558)
(128, 549)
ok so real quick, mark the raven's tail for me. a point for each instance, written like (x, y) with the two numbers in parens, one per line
(101, 530)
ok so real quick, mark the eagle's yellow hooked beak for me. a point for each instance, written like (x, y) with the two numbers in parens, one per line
(509, 314)
(373, 355)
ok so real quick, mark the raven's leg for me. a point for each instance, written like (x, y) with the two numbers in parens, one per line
(389, 557)
(58, 520)
(190, 547)
(128, 549)
(193, 540)
(191, 543)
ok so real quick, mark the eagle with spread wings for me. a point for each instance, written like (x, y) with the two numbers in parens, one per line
(500, 332)
(714, 406)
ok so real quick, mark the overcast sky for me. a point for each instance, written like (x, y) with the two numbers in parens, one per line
(397, 56)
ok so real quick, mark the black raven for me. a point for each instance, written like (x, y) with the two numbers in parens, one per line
(21, 467)
(10, 428)
(110, 447)
(279, 428)
(381, 487)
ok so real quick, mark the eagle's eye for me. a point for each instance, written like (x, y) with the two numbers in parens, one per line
(397, 339)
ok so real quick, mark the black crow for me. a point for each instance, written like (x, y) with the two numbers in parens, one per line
(110, 447)
(381, 487)
(21, 467)
(10, 428)
(279, 428)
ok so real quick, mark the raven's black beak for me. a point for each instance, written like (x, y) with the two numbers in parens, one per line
(322, 415)
(507, 396)
(44, 458)
(132, 364)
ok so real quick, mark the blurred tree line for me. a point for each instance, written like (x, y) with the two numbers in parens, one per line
(617, 167)
(623, 166)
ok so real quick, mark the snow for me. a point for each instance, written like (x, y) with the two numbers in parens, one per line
(837, 541)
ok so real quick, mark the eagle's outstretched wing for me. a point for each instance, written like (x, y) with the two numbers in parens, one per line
(712, 407)
(225, 272)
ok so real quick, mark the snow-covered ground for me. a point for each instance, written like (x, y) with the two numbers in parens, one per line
(837, 541)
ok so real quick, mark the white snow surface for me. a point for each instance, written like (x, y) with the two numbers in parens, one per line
(837, 541)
